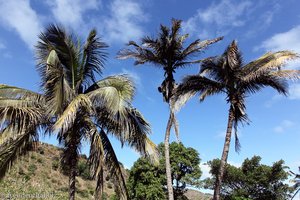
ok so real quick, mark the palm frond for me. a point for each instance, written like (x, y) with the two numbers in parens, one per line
(114, 93)
(67, 119)
(267, 63)
(293, 75)
(65, 45)
(19, 113)
(198, 46)
(93, 58)
(96, 161)
(113, 166)
(11, 150)
(12, 92)
(57, 89)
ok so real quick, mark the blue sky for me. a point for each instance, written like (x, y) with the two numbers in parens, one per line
(258, 26)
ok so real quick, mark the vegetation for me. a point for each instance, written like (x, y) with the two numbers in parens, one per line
(47, 181)
(228, 75)
(148, 181)
(252, 180)
(167, 52)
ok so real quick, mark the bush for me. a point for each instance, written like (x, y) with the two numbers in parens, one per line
(55, 165)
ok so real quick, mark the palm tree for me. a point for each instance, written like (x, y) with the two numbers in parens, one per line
(78, 108)
(167, 52)
(227, 74)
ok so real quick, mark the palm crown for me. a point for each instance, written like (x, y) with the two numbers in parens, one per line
(167, 51)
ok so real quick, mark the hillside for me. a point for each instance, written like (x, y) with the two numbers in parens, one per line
(37, 176)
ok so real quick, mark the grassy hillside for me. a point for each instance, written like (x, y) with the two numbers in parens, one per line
(37, 176)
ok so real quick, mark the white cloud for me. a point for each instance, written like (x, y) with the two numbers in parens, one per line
(19, 16)
(283, 126)
(70, 12)
(288, 40)
(225, 14)
(124, 22)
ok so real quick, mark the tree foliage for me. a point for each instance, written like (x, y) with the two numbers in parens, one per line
(148, 181)
(252, 180)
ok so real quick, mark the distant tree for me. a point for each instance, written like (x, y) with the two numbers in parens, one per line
(148, 181)
(252, 180)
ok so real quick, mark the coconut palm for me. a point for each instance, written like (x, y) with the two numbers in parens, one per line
(227, 74)
(167, 52)
(78, 107)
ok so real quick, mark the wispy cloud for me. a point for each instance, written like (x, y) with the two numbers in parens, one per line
(19, 16)
(71, 12)
(288, 40)
(125, 21)
(221, 16)
(283, 126)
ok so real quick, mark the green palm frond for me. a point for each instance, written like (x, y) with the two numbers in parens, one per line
(67, 119)
(114, 93)
(93, 58)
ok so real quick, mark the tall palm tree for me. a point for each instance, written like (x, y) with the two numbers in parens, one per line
(77, 107)
(227, 74)
(167, 52)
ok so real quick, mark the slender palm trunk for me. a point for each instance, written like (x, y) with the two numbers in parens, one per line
(167, 157)
(72, 180)
(224, 156)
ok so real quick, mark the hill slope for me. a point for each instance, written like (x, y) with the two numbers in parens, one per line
(37, 176)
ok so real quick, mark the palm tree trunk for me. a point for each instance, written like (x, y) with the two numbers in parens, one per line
(72, 180)
(167, 157)
(220, 175)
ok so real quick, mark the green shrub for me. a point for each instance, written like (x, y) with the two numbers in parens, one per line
(55, 164)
